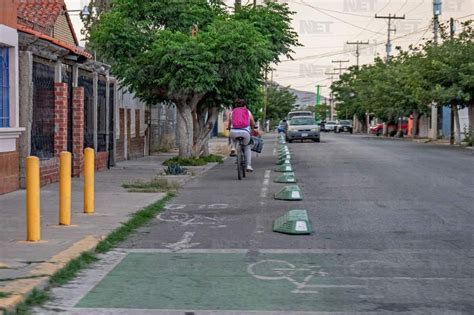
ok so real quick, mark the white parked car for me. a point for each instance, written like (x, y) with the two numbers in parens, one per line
(330, 126)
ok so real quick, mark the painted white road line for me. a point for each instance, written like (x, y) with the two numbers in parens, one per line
(266, 182)
(183, 243)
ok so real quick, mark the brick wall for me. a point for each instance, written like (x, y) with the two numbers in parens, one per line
(136, 147)
(49, 171)
(9, 171)
(101, 159)
(60, 118)
(78, 131)
(119, 143)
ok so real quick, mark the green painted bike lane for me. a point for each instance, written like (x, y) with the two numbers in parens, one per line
(222, 281)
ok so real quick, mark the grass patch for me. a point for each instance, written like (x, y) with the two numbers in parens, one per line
(37, 297)
(69, 271)
(66, 274)
(4, 295)
(194, 161)
(155, 185)
(139, 219)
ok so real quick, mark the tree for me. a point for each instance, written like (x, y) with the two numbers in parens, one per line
(192, 53)
(280, 102)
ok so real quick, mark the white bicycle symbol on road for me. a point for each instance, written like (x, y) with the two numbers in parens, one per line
(275, 270)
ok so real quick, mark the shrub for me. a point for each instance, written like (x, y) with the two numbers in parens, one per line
(175, 169)
(194, 161)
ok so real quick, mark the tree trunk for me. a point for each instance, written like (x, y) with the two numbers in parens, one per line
(471, 122)
(185, 130)
(457, 125)
(414, 129)
(206, 119)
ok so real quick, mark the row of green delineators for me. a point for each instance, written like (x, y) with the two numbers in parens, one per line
(294, 221)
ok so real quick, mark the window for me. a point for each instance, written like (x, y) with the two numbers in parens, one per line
(4, 88)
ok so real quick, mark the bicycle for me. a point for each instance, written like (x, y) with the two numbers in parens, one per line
(240, 158)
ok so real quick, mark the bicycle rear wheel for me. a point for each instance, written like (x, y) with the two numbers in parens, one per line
(243, 162)
(239, 162)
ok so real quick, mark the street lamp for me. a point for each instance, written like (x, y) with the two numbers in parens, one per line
(82, 13)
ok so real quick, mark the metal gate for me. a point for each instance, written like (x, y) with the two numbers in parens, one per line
(42, 127)
(111, 126)
(102, 115)
(85, 80)
(67, 78)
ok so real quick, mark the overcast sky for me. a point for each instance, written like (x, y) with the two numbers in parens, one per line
(324, 27)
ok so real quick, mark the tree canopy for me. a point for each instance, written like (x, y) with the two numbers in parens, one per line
(408, 83)
(193, 53)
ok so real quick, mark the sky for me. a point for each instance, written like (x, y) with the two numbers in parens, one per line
(325, 26)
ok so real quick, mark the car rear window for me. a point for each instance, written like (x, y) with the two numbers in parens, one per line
(303, 121)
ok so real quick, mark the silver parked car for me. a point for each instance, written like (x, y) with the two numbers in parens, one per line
(301, 128)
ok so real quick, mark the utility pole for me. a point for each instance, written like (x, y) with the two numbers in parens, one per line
(237, 5)
(340, 62)
(453, 110)
(434, 107)
(390, 17)
(265, 99)
(358, 43)
(331, 100)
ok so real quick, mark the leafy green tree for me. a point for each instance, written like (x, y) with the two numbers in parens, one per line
(192, 53)
(280, 101)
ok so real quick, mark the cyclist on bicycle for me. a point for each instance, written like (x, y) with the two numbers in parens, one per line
(241, 124)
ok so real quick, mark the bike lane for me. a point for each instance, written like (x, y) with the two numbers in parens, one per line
(213, 252)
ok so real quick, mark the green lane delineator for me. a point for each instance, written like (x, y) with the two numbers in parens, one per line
(292, 192)
(284, 178)
(284, 168)
(285, 282)
(283, 161)
(293, 222)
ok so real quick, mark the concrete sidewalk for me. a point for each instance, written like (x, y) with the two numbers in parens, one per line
(24, 266)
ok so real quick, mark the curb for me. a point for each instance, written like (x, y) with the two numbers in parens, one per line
(22, 288)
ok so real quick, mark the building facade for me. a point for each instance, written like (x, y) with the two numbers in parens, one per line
(54, 97)
(10, 129)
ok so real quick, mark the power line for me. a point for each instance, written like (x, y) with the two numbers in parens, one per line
(335, 17)
(339, 52)
(328, 10)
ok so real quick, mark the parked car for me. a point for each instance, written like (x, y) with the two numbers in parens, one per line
(329, 126)
(343, 126)
(301, 128)
(378, 128)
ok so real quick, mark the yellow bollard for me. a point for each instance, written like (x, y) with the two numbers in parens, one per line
(65, 188)
(89, 180)
(33, 225)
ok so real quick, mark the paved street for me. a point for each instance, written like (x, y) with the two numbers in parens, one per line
(393, 223)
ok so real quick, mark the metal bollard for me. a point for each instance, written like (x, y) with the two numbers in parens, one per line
(89, 180)
(65, 188)
(33, 224)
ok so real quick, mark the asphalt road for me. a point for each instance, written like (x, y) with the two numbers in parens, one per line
(393, 222)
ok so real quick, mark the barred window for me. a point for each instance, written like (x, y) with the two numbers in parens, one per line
(4, 87)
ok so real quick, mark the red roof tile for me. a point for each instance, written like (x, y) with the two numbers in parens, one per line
(40, 15)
